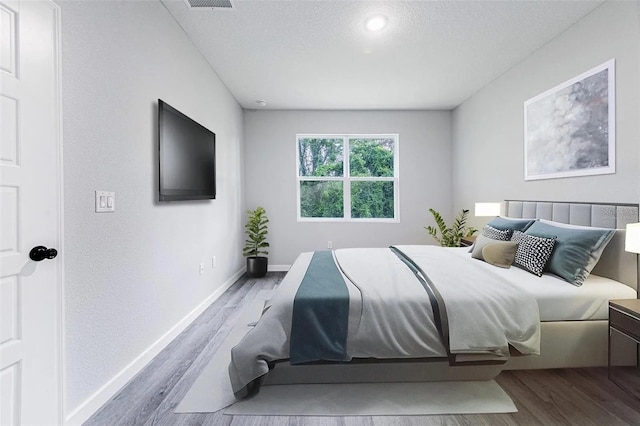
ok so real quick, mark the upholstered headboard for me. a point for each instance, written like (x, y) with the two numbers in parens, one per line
(615, 263)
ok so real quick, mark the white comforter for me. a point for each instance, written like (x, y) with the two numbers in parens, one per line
(486, 313)
(390, 313)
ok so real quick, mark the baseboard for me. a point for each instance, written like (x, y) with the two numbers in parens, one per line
(106, 392)
(278, 268)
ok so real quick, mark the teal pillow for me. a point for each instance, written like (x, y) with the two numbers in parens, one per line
(505, 223)
(577, 248)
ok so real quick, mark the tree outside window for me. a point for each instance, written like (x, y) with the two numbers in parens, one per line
(360, 186)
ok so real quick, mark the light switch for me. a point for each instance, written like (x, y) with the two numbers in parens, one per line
(105, 201)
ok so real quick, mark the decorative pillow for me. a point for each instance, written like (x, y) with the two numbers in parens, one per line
(480, 244)
(496, 234)
(577, 249)
(533, 252)
(503, 223)
(500, 253)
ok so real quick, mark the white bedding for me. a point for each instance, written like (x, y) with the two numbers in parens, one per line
(485, 318)
(559, 300)
(390, 312)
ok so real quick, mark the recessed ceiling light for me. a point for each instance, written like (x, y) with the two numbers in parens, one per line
(376, 23)
(261, 103)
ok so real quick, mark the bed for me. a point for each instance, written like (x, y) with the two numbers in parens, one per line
(424, 332)
(582, 342)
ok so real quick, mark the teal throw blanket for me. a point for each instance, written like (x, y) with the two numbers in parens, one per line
(320, 314)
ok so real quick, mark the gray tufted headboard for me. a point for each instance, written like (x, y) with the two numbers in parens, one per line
(615, 263)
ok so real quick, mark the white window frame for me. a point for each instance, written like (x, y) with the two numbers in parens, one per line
(347, 179)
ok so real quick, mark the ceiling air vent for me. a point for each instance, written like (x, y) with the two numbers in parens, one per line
(210, 3)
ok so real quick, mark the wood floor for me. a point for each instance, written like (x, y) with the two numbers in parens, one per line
(543, 397)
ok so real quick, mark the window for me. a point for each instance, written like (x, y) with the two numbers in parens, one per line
(347, 177)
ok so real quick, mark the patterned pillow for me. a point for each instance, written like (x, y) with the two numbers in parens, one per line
(496, 234)
(533, 252)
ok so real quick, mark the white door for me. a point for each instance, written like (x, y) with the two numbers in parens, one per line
(30, 214)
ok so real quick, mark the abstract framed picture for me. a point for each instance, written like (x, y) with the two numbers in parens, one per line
(569, 130)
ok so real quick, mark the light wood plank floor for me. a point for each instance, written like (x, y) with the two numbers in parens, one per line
(543, 397)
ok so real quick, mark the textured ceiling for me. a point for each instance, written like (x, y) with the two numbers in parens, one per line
(309, 54)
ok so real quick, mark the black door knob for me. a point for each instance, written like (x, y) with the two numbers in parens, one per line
(39, 253)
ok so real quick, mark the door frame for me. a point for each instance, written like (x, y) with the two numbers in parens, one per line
(59, 188)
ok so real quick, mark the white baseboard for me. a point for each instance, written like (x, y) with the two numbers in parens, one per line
(106, 392)
(278, 268)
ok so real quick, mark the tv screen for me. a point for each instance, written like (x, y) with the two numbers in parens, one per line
(187, 152)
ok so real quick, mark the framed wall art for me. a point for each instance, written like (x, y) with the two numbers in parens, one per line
(569, 130)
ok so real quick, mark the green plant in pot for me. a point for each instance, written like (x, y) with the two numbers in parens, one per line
(256, 243)
(450, 236)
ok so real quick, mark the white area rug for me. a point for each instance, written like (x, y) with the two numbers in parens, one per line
(212, 391)
(377, 399)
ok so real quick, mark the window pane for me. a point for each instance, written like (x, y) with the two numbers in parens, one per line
(321, 199)
(320, 157)
(371, 157)
(372, 200)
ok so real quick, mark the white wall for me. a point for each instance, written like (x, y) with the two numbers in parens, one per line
(488, 127)
(132, 275)
(270, 170)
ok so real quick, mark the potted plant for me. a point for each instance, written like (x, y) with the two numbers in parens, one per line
(450, 236)
(256, 243)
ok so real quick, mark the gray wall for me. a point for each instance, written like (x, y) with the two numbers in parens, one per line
(488, 128)
(270, 173)
(132, 275)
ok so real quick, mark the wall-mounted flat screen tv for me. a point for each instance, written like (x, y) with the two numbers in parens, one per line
(187, 153)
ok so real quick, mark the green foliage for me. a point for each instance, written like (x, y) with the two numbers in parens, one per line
(256, 229)
(450, 236)
(320, 157)
(321, 199)
(368, 157)
(372, 200)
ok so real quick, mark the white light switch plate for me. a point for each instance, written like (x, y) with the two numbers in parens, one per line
(105, 201)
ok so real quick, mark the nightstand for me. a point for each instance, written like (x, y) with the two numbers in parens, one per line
(624, 319)
(467, 241)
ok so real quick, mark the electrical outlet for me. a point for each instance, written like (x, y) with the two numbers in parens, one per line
(213, 262)
(329, 244)
(201, 268)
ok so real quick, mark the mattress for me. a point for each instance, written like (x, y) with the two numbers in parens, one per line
(557, 299)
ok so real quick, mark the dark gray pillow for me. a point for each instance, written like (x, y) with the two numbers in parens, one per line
(533, 252)
(577, 248)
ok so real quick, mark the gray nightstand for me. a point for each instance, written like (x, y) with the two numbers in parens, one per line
(467, 241)
(624, 318)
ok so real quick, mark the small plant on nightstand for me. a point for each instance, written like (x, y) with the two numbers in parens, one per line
(255, 246)
(450, 236)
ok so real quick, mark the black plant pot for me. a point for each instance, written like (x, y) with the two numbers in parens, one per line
(256, 266)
